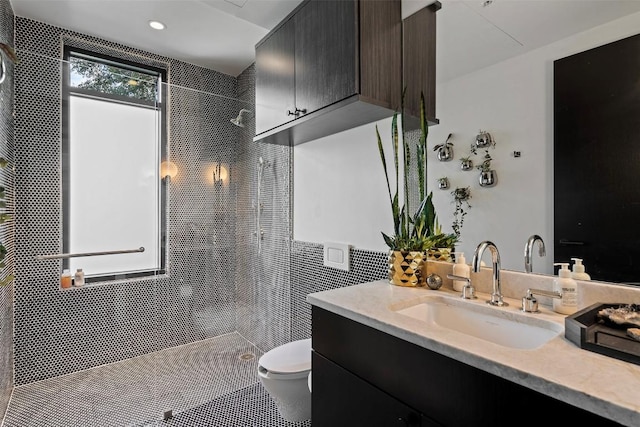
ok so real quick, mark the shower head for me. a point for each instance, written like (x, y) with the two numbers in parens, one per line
(239, 121)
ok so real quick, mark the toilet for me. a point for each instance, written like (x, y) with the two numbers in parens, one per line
(285, 374)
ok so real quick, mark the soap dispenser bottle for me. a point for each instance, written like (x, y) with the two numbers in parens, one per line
(568, 288)
(460, 268)
(578, 270)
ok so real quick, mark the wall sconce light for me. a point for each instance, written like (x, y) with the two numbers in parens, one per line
(220, 174)
(168, 171)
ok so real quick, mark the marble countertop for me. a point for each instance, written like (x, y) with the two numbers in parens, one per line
(603, 385)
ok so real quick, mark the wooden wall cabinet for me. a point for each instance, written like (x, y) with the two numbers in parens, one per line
(412, 385)
(332, 65)
(418, 64)
(275, 78)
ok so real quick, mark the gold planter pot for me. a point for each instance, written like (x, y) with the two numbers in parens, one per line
(407, 268)
(440, 254)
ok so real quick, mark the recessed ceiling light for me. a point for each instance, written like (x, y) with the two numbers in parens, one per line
(156, 25)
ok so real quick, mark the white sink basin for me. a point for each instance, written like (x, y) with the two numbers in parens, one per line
(503, 326)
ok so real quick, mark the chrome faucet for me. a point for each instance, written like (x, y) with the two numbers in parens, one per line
(496, 295)
(468, 291)
(528, 249)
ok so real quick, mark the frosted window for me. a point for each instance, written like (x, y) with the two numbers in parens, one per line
(113, 144)
(114, 185)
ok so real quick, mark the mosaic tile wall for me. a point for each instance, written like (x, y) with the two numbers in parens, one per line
(6, 229)
(308, 274)
(62, 332)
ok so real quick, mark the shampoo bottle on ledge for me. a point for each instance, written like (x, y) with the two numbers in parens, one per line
(78, 278)
(65, 279)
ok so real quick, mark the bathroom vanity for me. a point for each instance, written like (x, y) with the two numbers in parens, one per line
(375, 366)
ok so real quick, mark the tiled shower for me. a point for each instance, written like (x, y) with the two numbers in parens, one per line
(181, 346)
(6, 229)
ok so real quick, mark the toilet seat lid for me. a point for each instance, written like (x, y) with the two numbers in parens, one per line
(288, 358)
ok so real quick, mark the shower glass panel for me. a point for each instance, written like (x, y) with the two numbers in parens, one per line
(130, 351)
(197, 309)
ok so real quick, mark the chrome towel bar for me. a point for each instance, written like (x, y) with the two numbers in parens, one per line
(61, 256)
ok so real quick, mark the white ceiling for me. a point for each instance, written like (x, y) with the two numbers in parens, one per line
(215, 34)
(221, 34)
(470, 36)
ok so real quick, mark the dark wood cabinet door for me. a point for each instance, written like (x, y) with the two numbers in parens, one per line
(326, 52)
(419, 62)
(342, 399)
(275, 78)
(596, 153)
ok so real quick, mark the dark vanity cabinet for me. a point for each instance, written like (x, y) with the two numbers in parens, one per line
(364, 377)
(348, 391)
(332, 65)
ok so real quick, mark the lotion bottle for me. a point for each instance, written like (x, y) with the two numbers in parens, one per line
(578, 270)
(568, 288)
(460, 268)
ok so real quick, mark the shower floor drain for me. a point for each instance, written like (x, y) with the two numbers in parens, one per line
(247, 356)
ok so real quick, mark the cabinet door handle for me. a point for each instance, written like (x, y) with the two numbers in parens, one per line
(296, 112)
(411, 420)
(564, 242)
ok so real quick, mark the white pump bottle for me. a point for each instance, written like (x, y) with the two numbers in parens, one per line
(568, 288)
(460, 268)
(578, 270)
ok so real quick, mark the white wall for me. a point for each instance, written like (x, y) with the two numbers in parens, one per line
(339, 190)
(340, 193)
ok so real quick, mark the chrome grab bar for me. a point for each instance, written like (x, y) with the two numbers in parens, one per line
(61, 256)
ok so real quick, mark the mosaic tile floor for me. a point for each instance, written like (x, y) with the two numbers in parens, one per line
(248, 407)
(205, 384)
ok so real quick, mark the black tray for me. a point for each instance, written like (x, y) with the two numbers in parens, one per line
(587, 331)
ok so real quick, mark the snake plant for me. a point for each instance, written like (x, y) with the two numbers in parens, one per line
(418, 231)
